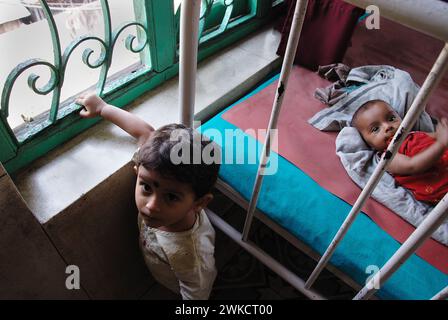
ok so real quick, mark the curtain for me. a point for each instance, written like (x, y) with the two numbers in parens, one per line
(326, 32)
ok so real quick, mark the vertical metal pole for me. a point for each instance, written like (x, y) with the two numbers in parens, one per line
(415, 240)
(189, 22)
(291, 48)
(442, 295)
(418, 106)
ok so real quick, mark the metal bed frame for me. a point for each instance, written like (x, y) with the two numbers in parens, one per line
(429, 17)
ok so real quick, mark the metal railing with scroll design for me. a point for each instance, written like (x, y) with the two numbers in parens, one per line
(58, 69)
(157, 27)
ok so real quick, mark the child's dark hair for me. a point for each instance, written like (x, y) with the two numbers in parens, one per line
(361, 109)
(156, 154)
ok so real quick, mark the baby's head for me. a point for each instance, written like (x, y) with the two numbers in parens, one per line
(169, 194)
(377, 123)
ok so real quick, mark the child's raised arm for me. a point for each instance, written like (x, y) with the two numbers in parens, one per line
(404, 165)
(95, 106)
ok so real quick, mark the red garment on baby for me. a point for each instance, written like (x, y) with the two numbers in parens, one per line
(431, 185)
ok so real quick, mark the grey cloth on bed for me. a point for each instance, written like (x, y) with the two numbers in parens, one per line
(387, 83)
(397, 88)
(359, 160)
(338, 90)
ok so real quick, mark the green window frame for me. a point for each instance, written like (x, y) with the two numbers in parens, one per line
(222, 23)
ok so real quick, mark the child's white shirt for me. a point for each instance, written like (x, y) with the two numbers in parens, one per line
(182, 261)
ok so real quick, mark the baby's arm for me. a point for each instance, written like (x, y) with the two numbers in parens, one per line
(95, 106)
(404, 165)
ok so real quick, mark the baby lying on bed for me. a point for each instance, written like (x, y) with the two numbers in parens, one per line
(421, 164)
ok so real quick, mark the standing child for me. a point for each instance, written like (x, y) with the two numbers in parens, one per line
(176, 237)
(421, 164)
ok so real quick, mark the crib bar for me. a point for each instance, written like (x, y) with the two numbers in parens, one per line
(233, 195)
(428, 16)
(188, 53)
(417, 107)
(293, 40)
(259, 254)
(442, 295)
(415, 240)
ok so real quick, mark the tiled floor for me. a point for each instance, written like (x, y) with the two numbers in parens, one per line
(242, 277)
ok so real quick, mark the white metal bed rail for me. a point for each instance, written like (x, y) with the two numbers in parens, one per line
(263, 257)
(291, 48)
(442, 295)
(423, 231)
(188, 57)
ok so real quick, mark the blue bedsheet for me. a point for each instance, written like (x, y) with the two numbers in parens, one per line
(313, 215)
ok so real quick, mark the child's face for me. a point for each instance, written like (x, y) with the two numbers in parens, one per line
(165, 203)
(378, 124)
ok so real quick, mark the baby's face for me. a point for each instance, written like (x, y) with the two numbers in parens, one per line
(164, 203)
(378, 124)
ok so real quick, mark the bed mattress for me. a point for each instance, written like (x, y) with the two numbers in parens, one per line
(295, 199)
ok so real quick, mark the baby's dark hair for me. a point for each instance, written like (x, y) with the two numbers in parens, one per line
(361, 109)
(173, 139)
